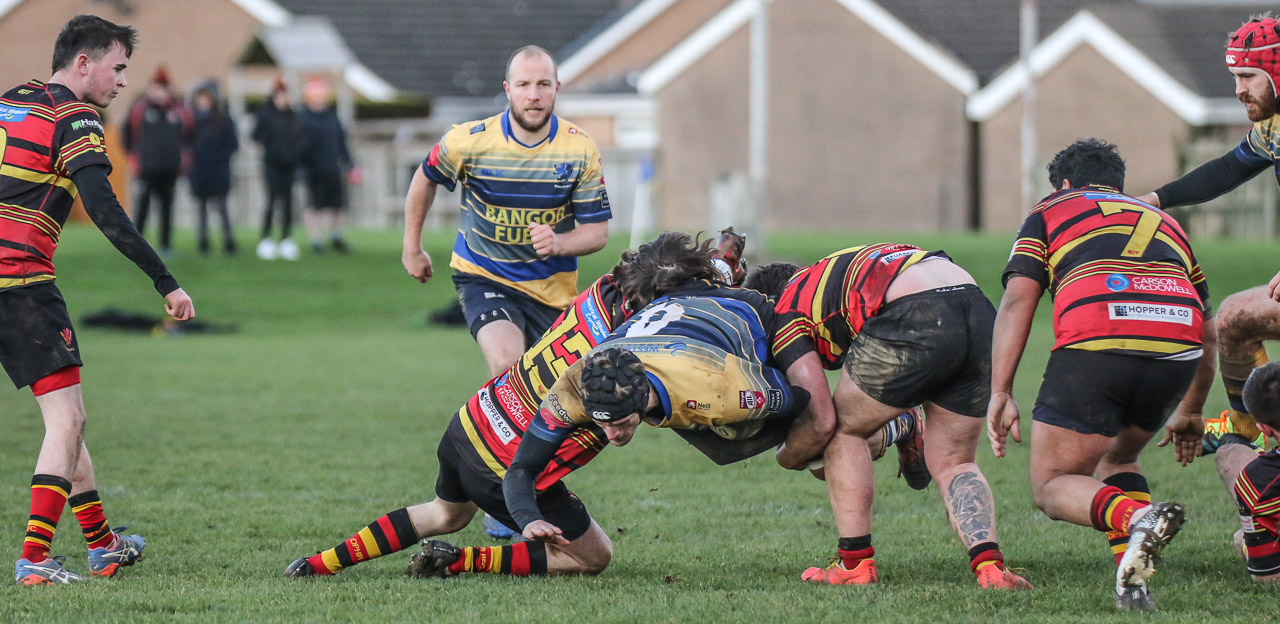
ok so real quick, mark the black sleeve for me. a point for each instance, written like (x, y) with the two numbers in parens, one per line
(1209, 180)
(105, 211)
(518, 488)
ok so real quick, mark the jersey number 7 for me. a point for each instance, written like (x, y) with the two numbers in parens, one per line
(1143, 231)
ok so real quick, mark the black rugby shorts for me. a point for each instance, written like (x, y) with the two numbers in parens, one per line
(36, 336)
(1094, 392)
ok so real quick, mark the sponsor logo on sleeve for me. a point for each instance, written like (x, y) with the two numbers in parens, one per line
(595, 321)
(477, 128)
(1246, 522)
(775, 399)
(1157, 312)
(12, 113)
(694, 404)
(86, 123)
(750, 399)
(496, 421)
(560, 412)
(889, 258)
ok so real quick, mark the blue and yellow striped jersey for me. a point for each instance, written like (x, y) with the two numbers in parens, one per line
(506, 186)
(1261, 145)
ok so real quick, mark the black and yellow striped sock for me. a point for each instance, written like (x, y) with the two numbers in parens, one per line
(1235, 371)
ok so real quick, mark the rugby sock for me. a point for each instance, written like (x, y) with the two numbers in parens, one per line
(391, 533)
(1111, 509)
(48, 497)
(853, 550)
(520, 559)
(88, 509)
(899, 428)
(1235, 370)
(985, 554)
(1134, 486)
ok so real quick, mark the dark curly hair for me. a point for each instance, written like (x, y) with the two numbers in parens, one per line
(1262, 394)
(1088, 161)
(662, 265)
(771, 279)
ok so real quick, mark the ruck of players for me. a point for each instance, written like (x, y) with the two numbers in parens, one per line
(875, 349)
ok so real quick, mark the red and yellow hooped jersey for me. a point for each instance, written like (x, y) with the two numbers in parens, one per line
(46, 135)
(489, 427)
(1121, 273)
(837, 295)
(1258, 497)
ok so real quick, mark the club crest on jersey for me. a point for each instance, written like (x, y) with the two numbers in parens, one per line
(1117, 282)
(477, 128)
(564, 170)
(750, 399)
(66, 336)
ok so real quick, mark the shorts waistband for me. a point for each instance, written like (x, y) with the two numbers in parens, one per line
(944, 291)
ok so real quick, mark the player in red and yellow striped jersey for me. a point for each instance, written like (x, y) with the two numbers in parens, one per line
(908, 327)
(1130, 306)
(52, 151)
(1254, 477)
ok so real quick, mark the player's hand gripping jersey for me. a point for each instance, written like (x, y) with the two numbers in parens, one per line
(506, 186)
(1122, 276)
(489, 427)
(46, 135)
(1258, 496)
(831, 300)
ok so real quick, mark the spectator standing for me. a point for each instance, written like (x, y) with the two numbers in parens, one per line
(326, 162)
(276, 128)
(157, 135)
(210, 174)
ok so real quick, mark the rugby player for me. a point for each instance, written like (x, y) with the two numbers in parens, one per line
(533, 198)
(1255, 477)
(53, 150)
(1244, 319)
(1131, 323)
(483, 437)
(906, 327)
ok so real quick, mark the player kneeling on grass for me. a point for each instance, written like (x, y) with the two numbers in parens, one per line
(1130, 307)
(1255, 476)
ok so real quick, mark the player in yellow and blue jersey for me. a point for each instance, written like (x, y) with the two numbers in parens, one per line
(533, 199)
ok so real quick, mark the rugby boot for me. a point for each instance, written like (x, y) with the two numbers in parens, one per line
(998, 577)
(836, 574)
(434, 560)
(911, 464)
(1220, 430)
(124, 552)
(497, 530)
(47, 572)
(300, 568)
(1148, 537)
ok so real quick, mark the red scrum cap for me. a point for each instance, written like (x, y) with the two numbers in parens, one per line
(1256, 45)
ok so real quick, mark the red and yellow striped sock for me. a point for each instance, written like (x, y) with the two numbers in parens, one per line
(520, 559)
(48, 497)
(391, 533)
(93, 522)
(1111, 509)
(985, 554)
(1134, 485)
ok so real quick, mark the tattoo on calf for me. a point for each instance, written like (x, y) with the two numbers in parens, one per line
(971, 508)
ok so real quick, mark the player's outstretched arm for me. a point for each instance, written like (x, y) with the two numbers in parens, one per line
(583, 239)
(1185, 427)
(422, 193)
(519, 487)
(817, 423)
(1013, 324)
(104, 209)
(178, 305)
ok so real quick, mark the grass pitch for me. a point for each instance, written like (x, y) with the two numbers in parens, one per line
(234, 454)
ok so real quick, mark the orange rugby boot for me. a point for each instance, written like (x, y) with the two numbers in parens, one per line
(836, 574)
(997, 577)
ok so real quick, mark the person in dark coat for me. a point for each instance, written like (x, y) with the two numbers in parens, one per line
(327, 164)
(157, 136)
(210, 174)
(276, 128)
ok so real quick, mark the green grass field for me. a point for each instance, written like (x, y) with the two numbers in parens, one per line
(234, 454)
